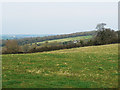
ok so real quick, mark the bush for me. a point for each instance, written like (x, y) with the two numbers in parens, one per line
(25, 48)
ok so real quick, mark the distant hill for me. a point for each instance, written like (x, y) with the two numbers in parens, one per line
(28, 40)
(20, 36)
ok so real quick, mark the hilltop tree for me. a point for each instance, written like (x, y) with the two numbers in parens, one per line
(100, 26)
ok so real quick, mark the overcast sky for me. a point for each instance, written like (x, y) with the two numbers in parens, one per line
(57, 18)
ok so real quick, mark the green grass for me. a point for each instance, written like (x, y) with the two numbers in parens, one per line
(68, 39)
(84, 67)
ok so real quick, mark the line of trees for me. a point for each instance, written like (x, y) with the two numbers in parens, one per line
(106, 36)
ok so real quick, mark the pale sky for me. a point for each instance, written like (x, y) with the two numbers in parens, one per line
(57, 17)
(59, 0)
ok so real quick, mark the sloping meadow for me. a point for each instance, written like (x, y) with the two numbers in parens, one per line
(84, 67)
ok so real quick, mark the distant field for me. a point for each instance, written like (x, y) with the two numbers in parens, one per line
(69, 39)
(84, 67)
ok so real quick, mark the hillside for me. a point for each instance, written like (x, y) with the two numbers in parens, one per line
(30, 40)
(67, 39)
(84, 67)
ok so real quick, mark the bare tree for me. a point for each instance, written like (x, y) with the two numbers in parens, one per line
(12, 46)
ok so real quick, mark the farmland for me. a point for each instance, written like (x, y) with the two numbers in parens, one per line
(84, 67)
(68, 39)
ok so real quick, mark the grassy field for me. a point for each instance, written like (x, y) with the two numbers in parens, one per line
(84, 67)
(68, 39)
